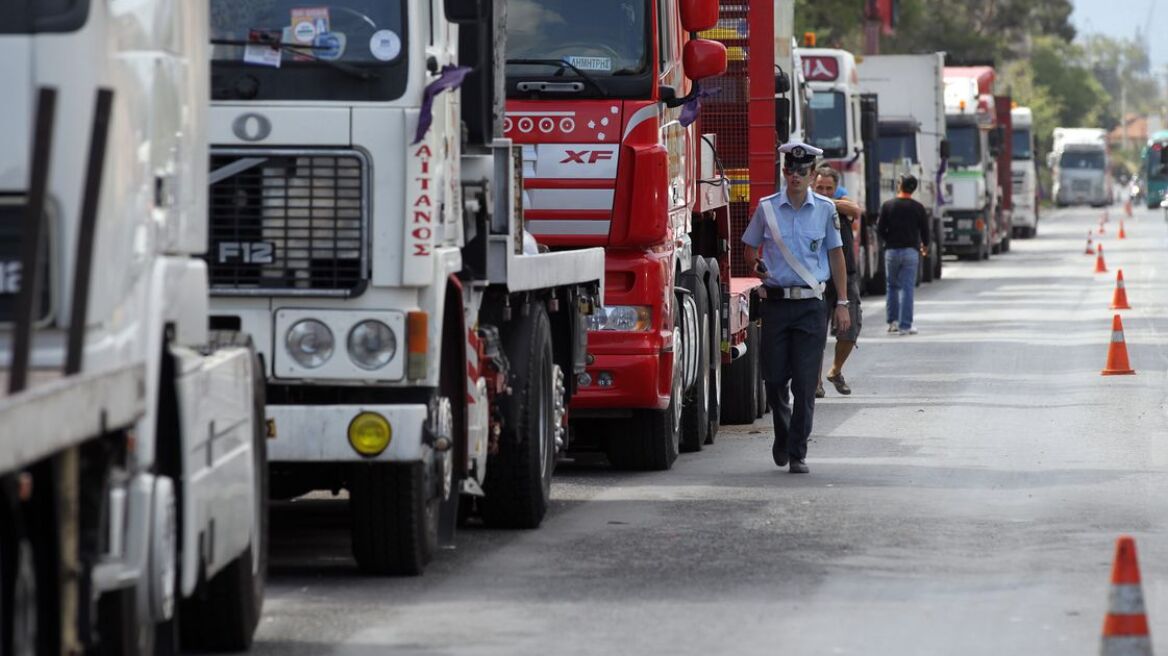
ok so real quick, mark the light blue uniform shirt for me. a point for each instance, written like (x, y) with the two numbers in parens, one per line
(809, 232)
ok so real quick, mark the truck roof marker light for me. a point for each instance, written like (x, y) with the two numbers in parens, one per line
(809, 39)
(417, 344)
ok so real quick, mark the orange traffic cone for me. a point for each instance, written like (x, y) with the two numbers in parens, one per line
(1119, 299)
(1125, 628)
(1122, 234)
(1117, 364)
(1100, 265)
(1090, 250)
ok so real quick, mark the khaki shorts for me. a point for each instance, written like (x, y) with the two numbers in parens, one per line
(829, 296)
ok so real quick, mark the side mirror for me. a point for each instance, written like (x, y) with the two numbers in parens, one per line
(698, 15)
(703, 58)
(464, 11)
(782, 82)
(945, 149)
(783, 119)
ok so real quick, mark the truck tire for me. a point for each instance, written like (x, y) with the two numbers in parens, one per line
(519, 478)
(714, 285)
(695, 413)
(394, 518)
(225, 614)
(938, 259)
(651, 442)
(19, 601)
(740, 390)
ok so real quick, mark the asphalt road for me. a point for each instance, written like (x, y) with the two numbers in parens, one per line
(964, 499)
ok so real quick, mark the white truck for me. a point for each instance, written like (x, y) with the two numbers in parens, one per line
(835, 125)
(972, 215)
(911, 93)
(1080, 163)
(132, 440)
(366, 230)
(1024, 173)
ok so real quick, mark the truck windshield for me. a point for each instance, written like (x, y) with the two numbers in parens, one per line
(895, 147)
(1083, 160)
(964, 145)
(355, 50)
(1156, 161)
(1021, 145)
(829, 123)
(607, 40)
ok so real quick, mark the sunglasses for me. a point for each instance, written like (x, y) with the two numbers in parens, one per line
(801, 171)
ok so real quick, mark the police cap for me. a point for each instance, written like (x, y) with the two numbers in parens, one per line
(798, 154)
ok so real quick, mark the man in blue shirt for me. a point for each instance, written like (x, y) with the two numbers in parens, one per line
(793, 272)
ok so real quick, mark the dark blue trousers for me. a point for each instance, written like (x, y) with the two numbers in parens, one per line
(792, 344)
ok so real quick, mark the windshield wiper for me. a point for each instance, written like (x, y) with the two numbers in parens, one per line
(562, 64)
(302, 50)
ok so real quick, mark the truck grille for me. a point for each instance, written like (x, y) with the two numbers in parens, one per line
(1081, 185)
(1019, 185)
(11, 247)
(287, 223)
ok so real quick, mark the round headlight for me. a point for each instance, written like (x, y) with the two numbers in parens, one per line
(371, 345)
(310, 343)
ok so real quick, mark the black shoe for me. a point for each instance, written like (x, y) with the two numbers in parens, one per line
(799, 467)
(779, 454)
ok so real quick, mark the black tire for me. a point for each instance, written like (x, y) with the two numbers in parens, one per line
(714, 285)
(938, 260)
(877, 284)
(760, 400)
(19, 602)
(519, 478)
(695, 413)
(1006, 244)
(740, 386)
(394, 517)
(651, 442)
(224, 615)
(927, 269)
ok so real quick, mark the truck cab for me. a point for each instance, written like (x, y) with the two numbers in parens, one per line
(835, 125)
(972, 192)
(1024, 171)
(1080, 162)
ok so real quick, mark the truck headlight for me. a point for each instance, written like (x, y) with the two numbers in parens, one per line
(310, 343)
(628, 318)
(372, 344)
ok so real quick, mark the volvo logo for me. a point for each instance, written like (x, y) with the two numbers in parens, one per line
(252, 127)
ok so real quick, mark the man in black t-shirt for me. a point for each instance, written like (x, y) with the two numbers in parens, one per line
(904, 228)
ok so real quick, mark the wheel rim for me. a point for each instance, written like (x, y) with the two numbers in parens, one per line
(545, 417)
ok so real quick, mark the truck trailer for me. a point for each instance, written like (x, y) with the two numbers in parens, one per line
(911, 92)
(367, 229)
(132, 440)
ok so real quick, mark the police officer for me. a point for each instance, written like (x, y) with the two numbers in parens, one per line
(794, 242)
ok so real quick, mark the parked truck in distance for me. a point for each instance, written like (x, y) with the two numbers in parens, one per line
(1080, 163)
(1153, 175)
(368, 230)
(132, 440)
(911, 91)
(973, 225)
(1024, 173)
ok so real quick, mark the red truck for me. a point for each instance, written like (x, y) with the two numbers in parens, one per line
(604, 98)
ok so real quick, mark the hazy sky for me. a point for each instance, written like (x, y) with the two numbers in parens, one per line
(1120, 18)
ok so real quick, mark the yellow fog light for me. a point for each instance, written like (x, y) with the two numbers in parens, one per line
(369, 433)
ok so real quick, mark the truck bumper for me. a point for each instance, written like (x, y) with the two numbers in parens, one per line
(320, 433)
(960, 234)
(1025, 216)
(640, 379)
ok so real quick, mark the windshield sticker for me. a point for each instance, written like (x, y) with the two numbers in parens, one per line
(259, 54)
(385, 45)
(591, 63)
(308, 22)
(330, 46)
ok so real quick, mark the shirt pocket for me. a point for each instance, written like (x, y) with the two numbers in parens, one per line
(810, 236)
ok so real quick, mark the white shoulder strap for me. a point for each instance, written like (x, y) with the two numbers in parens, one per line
(792, 261)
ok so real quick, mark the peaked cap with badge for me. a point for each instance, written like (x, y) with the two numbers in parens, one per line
(797, 153)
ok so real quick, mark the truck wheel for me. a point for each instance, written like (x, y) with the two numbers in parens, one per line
(652, 441)
(714, 285)
(938, 260)
(225, 615)
(760, 399)
(18, 591)
(695, 414)
(519, 478)
(394, 517)
(740, 391)
(1006, 243)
